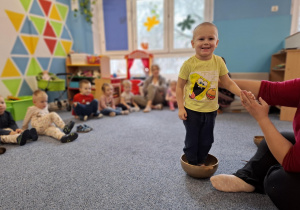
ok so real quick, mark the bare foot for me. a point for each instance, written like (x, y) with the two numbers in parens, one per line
(230, 183)
(147, 109)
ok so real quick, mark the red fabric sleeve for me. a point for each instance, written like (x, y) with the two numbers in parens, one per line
(286, 93)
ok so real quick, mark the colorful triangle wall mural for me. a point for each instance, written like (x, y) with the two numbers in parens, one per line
(41, 36)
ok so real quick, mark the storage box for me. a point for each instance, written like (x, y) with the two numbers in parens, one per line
(93, 59)
(74, 84)
(78, 58)
(19, 107)
(293, 41)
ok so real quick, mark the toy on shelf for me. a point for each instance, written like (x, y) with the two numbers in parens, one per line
(139, 54)
(146, 59)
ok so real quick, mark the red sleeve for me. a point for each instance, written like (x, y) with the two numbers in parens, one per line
(291, 161)
(281, 93)
(286, 94)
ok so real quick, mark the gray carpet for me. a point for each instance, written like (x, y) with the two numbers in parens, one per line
(128, 162)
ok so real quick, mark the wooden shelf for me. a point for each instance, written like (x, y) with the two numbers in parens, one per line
(103, 68)
(291, 71)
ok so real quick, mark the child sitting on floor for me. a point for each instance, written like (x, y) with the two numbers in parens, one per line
(171, 95)
(9, 131)
(42, 120)
(127, 102)
(107, 105)
(84, 104)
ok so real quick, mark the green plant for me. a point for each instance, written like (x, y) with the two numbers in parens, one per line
(85, 9)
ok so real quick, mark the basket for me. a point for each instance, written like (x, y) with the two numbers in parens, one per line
(18, 108)
(54, 84)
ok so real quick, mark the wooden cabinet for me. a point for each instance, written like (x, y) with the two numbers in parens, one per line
(285, 66)
(95, 73)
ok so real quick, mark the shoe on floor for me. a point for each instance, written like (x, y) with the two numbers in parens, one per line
(158, 106)
(98, 115)
(68, 127)
(112, 114)
(33, 134)
(23, 137)
(2, 150)
(83, 129)
(125, 112)
(69, 138)
(83, 118)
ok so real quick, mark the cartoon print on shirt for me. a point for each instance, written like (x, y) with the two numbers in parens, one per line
(211, 94)
(199, 87)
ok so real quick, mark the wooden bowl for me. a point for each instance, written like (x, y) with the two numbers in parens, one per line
(258, 139)
(211, 166)
(2, 150)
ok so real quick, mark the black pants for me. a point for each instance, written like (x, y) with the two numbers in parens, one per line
(267, 176)
(199, 135)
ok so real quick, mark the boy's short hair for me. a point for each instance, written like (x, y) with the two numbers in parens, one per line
(38, 93)
(104, 86)
(83, 81)
(126, 83)
(205, 24)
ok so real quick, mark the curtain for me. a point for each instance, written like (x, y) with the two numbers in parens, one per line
(129, 64)
(146, 63)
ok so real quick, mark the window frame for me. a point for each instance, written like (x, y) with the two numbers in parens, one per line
(295, 12)
(167, 51)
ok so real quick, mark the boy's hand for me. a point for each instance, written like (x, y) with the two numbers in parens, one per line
(182, 114)
(19, 130)
(13, 133)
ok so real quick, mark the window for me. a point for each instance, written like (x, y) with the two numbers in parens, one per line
(162, 27)
(165, 26)
(295, 27)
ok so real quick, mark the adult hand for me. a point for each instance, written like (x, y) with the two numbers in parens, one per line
(182, 114)
(259, 110)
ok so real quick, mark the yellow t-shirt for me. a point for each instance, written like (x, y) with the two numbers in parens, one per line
(201, 89)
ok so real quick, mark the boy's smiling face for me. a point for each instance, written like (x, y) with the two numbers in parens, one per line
(205, 41)
(2, 105)
(85, 89)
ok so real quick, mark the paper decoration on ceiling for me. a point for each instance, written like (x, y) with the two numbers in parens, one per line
(187, 23)
(41, 31)
(151, 22)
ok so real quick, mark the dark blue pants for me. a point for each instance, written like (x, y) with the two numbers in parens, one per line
(86, 109)
(199, 135)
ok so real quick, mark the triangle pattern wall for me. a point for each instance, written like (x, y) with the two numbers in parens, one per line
(41, 25)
